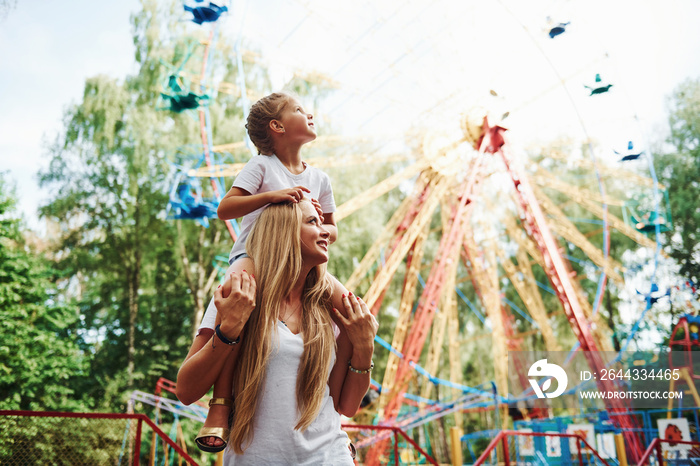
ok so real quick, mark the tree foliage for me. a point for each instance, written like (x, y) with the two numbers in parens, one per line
(679, 169)
(109, 175)
(39, 354)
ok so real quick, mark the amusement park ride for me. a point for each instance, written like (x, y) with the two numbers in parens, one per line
(503, 222)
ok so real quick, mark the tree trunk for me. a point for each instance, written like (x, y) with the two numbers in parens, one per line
(134, 283)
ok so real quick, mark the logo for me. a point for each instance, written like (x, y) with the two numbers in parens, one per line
(542, 368)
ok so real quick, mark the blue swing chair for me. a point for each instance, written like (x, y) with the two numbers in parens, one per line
(186, 202)
(630, 154)
(557, 30)
(205, 12)
(598, 87)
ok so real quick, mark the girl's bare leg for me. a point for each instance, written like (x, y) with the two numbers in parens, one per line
(223, 387)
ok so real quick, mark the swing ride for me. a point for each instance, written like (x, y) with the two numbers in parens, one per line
(491, 243)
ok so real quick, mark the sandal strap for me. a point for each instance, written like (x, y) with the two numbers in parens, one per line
(220, 432)
(221, 401)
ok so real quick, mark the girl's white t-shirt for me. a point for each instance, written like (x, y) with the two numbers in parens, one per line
(264, 173)
(275, 442)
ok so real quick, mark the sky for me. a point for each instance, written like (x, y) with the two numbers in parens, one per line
(398, 65)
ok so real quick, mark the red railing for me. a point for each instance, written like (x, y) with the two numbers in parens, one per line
(655, 447)
(503, 437)
(396, 431)
(139, 418)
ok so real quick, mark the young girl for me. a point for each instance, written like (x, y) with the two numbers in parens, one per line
(278, 126)
(292, 379)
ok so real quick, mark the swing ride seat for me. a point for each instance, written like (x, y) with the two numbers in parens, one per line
(558, 29)
(184, 205)
(648, 225)
(630, 154)
(206, 14)
(600, 89)
(181, 102)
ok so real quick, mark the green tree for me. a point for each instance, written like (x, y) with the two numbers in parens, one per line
(39, 355)
(679, 169)
(109, 175)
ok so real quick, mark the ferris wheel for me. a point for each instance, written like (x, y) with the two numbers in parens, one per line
(494, 238)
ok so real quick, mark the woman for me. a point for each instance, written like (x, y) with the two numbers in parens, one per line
(294, 370)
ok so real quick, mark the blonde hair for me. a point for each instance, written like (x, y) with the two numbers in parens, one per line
(274, 245)
(261, 114)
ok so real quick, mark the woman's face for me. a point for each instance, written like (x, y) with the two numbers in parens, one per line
(314, 236)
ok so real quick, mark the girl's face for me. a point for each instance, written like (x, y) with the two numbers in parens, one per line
(297, 123)
(314, 236)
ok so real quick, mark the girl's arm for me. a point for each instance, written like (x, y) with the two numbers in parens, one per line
(356, 346)
(238, 202)
(329, 224)
(234, 300)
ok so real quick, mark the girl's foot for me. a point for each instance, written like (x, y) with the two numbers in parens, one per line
(213, 437)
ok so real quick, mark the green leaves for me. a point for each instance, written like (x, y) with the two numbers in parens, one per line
(679, 169)
(39, 353)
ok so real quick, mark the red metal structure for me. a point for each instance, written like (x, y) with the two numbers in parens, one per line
(656, 449)
(682, 341)
(492, 141)
(503, 436)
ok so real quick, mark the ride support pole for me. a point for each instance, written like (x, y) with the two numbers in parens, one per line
(506, 453)
(659, 455)
(621, 452)
(456, 446)
(137, 447)
(578, 450)
(396, 448)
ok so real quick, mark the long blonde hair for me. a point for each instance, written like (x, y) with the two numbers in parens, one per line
(274, 245)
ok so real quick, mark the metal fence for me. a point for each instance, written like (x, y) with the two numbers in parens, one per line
(38, 437)
(518, 448)
(403, 450)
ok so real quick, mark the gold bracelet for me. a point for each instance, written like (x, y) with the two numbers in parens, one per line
(356, 371)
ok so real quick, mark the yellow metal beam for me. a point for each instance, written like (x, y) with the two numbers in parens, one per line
(408, 297)
(582, 197)
(527, 290)
(233, 169)
(566, 229)
(608, 171)
(447, 296)
(379, 189)
(419, 224)
(388, 232)
(486, 276)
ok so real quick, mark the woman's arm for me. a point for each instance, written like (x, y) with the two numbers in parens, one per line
(234, 300)
(356, 346)
(202, 366)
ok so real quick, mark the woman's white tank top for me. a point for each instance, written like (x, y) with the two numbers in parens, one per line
(275, 442)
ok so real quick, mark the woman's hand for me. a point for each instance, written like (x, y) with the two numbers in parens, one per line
(360, 326)
(235, 300)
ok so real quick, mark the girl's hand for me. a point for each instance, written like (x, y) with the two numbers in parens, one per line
(317, 205)
(360, 325)
(294, 194)
(235, 300)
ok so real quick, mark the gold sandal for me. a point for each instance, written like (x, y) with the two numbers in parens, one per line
(222, 433)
